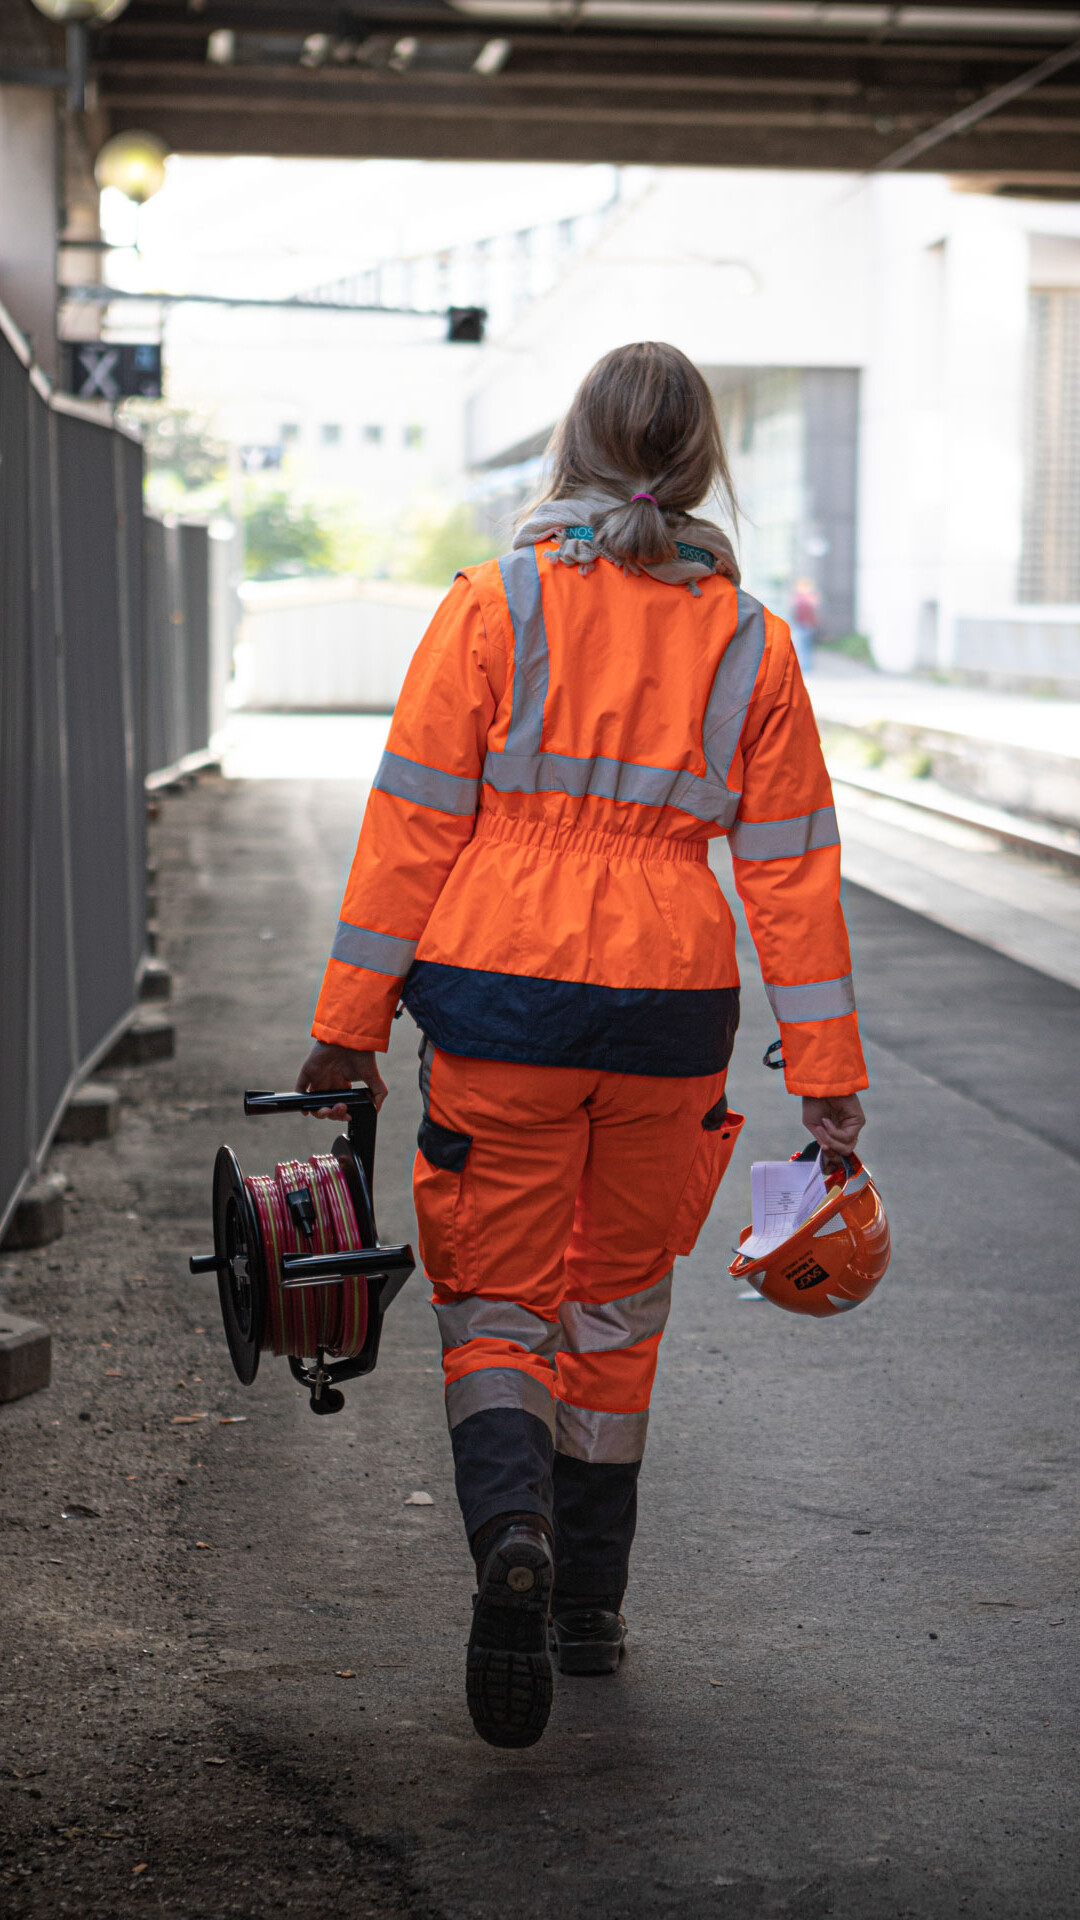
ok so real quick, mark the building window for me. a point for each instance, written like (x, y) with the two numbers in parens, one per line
(289, 433)
(414, 436)
(1050, 554)
(330, 434)
(371, 436)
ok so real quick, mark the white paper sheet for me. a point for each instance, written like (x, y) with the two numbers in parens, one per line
(784, 1194)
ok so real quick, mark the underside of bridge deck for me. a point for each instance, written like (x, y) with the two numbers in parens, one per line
(679, 82)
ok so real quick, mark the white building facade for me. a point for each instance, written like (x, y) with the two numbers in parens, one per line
(897, 364)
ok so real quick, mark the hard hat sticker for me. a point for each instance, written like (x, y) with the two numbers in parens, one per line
(805, 1272)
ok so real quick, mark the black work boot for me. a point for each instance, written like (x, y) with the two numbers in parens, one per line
(595, 1514)
(508, 1666)
(588, 1638)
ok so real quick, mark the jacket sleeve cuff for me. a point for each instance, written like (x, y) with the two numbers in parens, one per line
(823, 1057)
(356, 1007)
(356, 1042)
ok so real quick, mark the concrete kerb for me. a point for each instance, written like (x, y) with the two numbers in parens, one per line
(147, 1038)
(155, 979)
(38, 1218)
(92, 1113)
(25, 1356)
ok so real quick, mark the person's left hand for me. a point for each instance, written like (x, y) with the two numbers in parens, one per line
(329, 1069)
(835, 1121)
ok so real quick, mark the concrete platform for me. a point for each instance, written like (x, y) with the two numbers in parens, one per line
(853, 1604)
(963, 878)
(1010, 749)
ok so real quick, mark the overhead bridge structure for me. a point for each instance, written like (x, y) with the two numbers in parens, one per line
(989, 91)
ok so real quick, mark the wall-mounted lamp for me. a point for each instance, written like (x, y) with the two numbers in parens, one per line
(133, 163)
(65, 13)
(76, 16)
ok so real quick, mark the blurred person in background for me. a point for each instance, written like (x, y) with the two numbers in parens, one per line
(805, 622)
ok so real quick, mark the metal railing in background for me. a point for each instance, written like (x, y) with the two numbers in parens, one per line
(177, 562)
(104, 680)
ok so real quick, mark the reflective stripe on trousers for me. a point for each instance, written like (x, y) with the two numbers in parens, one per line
(602, 1350)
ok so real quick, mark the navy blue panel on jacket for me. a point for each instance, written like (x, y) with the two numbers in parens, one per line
(566, 1023)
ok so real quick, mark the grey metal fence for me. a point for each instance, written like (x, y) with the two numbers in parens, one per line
(104, 680)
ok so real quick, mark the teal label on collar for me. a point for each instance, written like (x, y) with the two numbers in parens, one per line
(699, 554)
(577, 533)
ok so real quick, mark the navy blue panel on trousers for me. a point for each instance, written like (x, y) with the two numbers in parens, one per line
(502, 1464)
(677, 1032)
(595, 1514)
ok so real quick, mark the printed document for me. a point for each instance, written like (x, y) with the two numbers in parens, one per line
(784, 1194)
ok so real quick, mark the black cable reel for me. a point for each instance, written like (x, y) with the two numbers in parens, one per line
(300, 1268)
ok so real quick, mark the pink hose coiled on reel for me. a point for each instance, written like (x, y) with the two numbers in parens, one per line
(304, 1319)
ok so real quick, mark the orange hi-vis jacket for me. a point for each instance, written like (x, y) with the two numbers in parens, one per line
(532, 878)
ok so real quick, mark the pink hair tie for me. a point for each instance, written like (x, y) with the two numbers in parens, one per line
(643, 496)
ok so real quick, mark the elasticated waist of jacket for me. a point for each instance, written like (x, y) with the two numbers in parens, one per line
(561, 837)
(676, 1032)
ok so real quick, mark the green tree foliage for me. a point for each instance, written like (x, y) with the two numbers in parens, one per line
(440, 547)
(180, 449)
(284, 538)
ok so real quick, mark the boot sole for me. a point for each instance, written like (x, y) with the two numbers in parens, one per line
(508, 1678)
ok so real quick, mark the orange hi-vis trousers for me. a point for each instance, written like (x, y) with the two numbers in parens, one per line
(551, 1204)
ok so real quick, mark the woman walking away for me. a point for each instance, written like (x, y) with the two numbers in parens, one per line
(581, 718)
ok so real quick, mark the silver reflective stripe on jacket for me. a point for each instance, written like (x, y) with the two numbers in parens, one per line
(594, 1327)
(472, 1318)
(379, 952)
(611, 1438)
(426, 786)
(498, 1387)
(784, 839)
(522, 766)
(818, 1000)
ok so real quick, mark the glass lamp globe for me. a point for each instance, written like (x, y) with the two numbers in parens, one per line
(74, 13)
(133, 163)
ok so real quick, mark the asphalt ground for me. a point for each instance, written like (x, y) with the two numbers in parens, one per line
(234, 1684)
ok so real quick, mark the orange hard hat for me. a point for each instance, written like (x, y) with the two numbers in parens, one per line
(835, 1259)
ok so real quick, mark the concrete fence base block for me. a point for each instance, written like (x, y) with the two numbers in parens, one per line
(38, 1219)
(92, 1113)
(25, 1356)
(155, 982)
(148, 1038)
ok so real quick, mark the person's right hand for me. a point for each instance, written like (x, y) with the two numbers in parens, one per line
(835, 1120)
(330, 1069)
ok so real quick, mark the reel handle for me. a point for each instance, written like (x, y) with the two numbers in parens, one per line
(354, 1098)
(361, 1122)
(319, 1269)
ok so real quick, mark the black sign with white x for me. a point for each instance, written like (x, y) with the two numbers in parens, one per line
(114, 370)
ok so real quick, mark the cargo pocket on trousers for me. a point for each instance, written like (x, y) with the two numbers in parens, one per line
(720, 1128)
(443, 1202)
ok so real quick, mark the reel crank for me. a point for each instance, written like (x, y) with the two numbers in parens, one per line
(299, 1265)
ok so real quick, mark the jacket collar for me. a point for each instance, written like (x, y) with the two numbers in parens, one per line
(702, 549)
